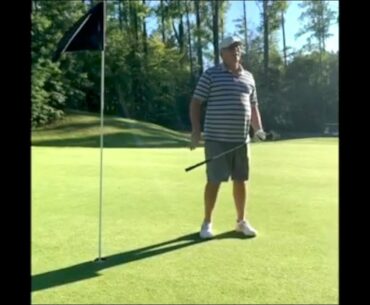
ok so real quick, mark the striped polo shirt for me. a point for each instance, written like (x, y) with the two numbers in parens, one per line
(229, 98)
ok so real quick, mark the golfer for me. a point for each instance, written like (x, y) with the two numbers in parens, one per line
(232, 106)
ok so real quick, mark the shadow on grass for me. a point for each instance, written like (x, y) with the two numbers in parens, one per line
(117, 140)
(91, 269)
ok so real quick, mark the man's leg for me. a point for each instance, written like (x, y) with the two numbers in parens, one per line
(210, 196)
(240, 198)
(217, 171)
(240, 177)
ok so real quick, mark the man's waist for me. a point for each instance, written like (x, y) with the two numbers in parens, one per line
(222, 137)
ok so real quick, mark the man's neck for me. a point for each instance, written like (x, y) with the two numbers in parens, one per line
(234, 67)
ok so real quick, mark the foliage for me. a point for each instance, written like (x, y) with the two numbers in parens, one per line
(150, 75)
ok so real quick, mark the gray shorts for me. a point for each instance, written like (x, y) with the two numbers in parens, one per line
(234, 164)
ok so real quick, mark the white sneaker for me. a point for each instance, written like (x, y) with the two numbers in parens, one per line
(245, 227)
(206, 230)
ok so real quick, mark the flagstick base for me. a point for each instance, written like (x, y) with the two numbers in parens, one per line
(100, 259)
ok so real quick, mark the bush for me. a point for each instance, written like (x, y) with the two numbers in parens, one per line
(43, 114)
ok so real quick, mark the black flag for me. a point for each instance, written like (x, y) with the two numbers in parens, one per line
(86, 34)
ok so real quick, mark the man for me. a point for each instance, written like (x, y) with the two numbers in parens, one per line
(232, 106)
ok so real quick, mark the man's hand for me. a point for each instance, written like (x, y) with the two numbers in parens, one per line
(260, 135)
(195, 138)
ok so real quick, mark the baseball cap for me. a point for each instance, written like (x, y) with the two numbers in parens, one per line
(228, 41)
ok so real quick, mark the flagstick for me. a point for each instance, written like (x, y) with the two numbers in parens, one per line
(102, 76)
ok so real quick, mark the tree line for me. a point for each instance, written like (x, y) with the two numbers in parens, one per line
(151, 76)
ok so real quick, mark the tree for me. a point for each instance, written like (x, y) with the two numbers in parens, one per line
(188, 26)
(265, 37)
(163, 17)
(284, 40)
(150, 78)
(271, 20)
(215, 29)
(245, 27)
(50, 92)
(319, 18)
(312, 104)
(199, 39)
(145, 36)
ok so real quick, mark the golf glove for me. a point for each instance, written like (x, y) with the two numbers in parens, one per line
(260, 135)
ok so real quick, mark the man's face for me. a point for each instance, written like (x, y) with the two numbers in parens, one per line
(232, 53)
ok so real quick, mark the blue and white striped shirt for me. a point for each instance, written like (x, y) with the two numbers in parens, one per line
(229, 98)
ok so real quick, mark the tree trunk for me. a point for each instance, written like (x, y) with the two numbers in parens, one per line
(145, 37)
(181, 35)
(34, 5)
(162, 19)
(222, 27)
(245, 27)
(120, 15)
(215, 32)
(135, 62)
(284, 42)
(189, 43)
(199, 41)
(265, 39)
(136, 27)
(125, 14)
(121, 101)
(245, 61)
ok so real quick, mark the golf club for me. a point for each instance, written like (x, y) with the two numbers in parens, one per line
(265, 134)
(214, 157)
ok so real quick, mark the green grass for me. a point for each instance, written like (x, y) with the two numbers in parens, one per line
(83, 129)
(152, 211)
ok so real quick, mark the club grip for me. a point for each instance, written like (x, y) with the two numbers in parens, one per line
(196, 165)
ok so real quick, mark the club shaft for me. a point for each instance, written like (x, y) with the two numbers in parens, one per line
(214, 157)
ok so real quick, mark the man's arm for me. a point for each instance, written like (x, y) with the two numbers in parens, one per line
(195, 113)
(200, 94)
(256, 123)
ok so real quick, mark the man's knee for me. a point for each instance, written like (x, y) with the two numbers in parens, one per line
(240, 182)
(213, 184)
